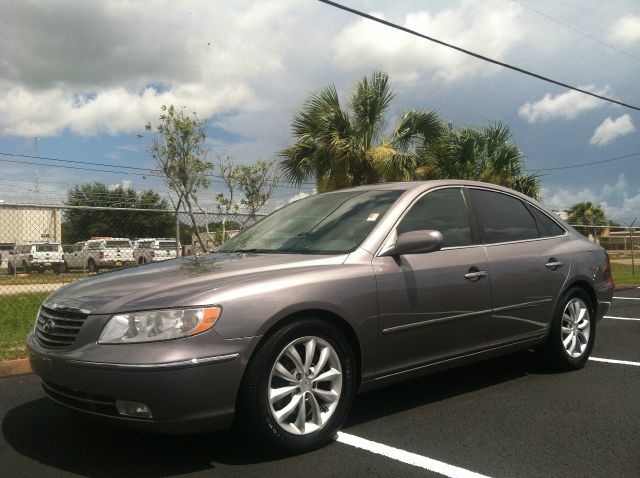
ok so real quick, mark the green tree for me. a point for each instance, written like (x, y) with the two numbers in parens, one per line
(81, 224)
(250, 186)
(181, 156)
(586, 217)
(341, 147)
(488, 155)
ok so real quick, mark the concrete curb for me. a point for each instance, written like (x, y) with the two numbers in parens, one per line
(9, 368)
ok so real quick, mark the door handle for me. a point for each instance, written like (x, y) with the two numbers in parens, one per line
(553, 265)
(473, 276)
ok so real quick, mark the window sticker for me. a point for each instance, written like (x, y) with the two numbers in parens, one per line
(373, 217)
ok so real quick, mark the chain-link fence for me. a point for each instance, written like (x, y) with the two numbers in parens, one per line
(45, 247)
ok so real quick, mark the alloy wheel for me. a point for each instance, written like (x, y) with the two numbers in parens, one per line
(575, 327)
(305, 385)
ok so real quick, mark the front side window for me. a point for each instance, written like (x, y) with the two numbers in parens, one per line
(502, 218)
(442, 210)
(332, 223)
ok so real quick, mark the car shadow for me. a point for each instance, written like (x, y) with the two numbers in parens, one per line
(51, 435)
(444, 385)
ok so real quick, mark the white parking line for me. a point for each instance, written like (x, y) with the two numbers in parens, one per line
(618, 362)
(620, 318)
(627, 298)
(407, 457)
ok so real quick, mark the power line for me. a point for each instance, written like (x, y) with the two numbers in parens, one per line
(580, 165)
(566, 25)
(475, 55)
(74, 161)
(149, 171)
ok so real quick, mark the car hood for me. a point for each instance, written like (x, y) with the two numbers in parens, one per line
(178, 282)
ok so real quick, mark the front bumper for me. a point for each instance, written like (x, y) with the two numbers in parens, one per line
(186, 395)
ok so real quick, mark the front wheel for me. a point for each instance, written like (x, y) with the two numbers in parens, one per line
(298, 387)
(573, 331)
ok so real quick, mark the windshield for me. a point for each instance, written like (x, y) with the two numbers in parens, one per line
(117, 244)
(326, 224)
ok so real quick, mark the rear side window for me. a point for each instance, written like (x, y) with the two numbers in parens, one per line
(549, 227)
(442, 210)
(166, 245)
(502, 218)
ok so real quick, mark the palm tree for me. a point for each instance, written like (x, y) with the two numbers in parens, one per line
(488, 155)
(341, 147)
(586, 217)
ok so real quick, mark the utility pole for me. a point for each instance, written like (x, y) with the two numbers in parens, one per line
(633, 263)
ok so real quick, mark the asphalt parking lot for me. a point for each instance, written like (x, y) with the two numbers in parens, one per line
(508, 417)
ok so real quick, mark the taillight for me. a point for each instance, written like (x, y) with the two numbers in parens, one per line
(606, 270)
(101, 254)
(153, 254)
(63, 257)
(30, 258)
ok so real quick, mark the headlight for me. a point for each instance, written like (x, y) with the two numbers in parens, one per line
(154, 325)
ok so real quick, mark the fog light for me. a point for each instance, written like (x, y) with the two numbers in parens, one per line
(133, 409)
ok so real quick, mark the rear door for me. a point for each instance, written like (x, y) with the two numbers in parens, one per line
(436, 305)
(527, 266)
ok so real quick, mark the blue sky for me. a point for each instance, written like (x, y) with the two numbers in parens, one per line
(84, 77)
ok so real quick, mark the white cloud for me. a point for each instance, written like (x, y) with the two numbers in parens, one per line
(626, 30)
(611, 129)
(618, 202)
(110, 111)
(479, 26)
(124, 184)
(117, 62)
(564, 105)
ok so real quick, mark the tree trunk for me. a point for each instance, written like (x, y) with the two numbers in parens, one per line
(195, 226)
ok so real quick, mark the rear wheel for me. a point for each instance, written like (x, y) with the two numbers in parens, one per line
(10, 269)
(91, 265)
(298, 387)
(573, 331)
(26, 267)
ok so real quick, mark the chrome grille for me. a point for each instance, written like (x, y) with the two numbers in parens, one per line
(56, 328)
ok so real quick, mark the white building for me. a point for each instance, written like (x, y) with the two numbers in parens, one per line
(20, 224)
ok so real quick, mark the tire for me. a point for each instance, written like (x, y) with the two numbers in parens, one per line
(26, 268)
(573, 327)
(91, 265)
(326, 403)
(10, 270)
(141, 261)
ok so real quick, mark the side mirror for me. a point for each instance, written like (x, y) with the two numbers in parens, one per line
(416, 242)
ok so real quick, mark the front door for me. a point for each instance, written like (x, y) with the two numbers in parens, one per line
(436, 305)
